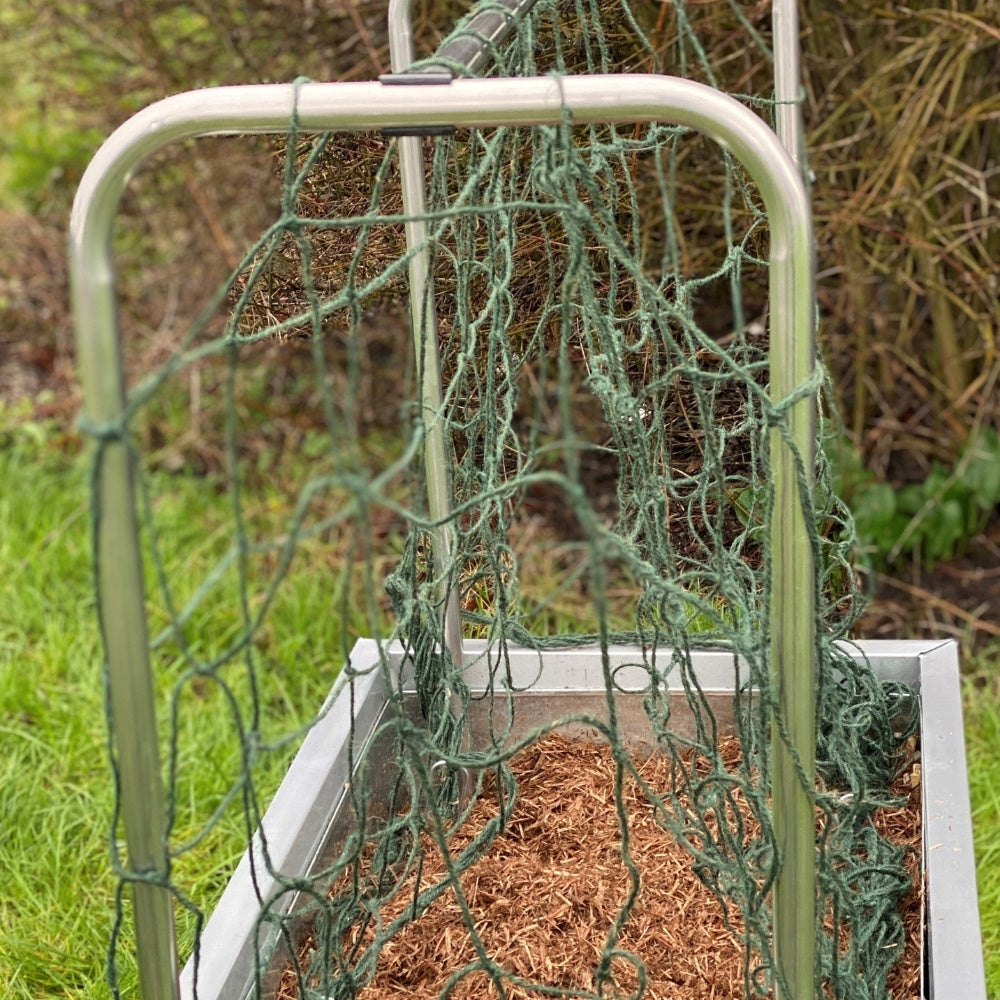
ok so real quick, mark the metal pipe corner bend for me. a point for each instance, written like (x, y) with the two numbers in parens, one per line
(270, 108)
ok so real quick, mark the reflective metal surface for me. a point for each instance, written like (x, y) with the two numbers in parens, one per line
(356, 106)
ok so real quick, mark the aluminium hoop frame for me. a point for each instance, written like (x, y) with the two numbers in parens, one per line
(627, 98)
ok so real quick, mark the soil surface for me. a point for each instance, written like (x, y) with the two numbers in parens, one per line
(957, 599)
(549, 888)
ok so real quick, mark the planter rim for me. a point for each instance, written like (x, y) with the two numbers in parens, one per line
(297, 821)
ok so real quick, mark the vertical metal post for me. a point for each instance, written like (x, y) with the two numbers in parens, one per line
(120, 586)
(473, 49)
(423, 320)
(787, 78)
(793, 611)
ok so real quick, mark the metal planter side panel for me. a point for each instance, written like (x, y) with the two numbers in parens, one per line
(955, 957)
(296, 826)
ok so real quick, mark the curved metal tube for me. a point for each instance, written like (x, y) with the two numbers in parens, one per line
(357, 106)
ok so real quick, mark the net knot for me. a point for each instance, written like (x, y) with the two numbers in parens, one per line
(104, 431)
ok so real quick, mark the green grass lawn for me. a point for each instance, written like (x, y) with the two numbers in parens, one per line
(56, 790)
(982, 743)
(56, 887)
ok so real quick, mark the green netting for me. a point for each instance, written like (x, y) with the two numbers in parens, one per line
(601, 316)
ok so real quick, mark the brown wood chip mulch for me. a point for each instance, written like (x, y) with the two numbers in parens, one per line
(546, 893)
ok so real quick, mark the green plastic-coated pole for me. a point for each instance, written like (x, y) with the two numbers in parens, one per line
(793, 612)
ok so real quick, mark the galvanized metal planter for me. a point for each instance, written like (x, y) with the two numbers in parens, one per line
(306, 819)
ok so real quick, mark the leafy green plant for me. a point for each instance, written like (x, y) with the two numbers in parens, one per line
(43, 164)
(932, 520)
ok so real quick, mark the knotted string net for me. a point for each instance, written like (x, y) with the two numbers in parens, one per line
(601, 316)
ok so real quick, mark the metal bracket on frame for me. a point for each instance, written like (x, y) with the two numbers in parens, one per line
(428, 78)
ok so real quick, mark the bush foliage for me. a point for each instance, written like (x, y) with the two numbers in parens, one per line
(900, 102)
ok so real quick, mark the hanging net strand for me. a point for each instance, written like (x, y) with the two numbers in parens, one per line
(599, 321)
